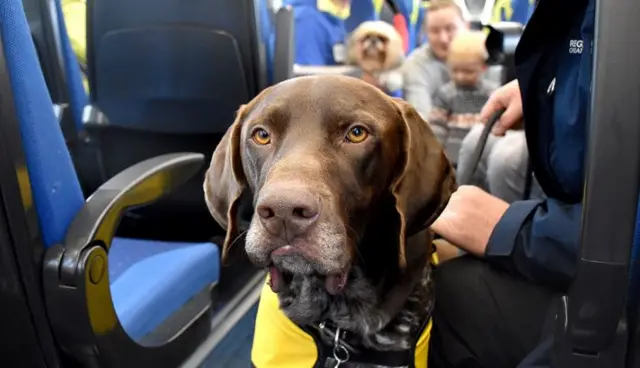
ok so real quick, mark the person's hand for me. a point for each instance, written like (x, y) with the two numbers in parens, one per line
(469, 219)
(509, 98)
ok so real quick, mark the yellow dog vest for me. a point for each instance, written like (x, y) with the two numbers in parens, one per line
(280, 343)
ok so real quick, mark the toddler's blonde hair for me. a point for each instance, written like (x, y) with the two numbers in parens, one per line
(468, 46)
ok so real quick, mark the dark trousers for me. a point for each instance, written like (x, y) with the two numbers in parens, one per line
(484, 317)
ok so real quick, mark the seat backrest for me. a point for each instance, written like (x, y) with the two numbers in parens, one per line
(362, 11)
(54, 184)
(266, 20)
(73, 75)
(412, 12)
(40, 22)
(173, 66)
(59, 65)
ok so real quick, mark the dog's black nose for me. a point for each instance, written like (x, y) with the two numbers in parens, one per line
(288, 211)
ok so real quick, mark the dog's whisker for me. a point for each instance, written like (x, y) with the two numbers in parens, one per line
(237, 238)
(356, 236)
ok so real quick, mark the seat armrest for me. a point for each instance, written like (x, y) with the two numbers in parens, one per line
(139, 185)
(76, 273)
(93, 117)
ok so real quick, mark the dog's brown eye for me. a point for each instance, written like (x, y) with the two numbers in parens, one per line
(357, 134)
(261, 137)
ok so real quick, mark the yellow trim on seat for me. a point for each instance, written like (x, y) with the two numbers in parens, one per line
(415, 12)
(377, 6)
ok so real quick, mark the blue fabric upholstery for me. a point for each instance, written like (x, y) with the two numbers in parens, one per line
(55, 187)
(77, 95)
(409, 8)
(150, 280)
(420, 37)
(267, 34)
(361, 11)
(143, 75)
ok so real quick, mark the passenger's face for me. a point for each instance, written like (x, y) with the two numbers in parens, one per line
(442, 26)
(466, 73)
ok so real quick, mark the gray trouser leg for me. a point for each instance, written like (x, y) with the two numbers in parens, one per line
(467, 147)
(502, 168)
(507, 168)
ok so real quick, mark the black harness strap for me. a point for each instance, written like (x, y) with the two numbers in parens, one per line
(399, 358)
(358, 354)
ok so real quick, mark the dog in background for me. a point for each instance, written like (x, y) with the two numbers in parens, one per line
(377, 49)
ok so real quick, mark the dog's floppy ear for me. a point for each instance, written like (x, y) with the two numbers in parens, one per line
(425, 179)
(225, 182)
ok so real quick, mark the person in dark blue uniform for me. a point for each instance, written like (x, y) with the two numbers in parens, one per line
(494, 305)
(320, 31)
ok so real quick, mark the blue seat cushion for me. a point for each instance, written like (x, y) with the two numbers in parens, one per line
(150, 280)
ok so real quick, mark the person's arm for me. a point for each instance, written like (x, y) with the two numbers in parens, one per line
(538, 240)
(439, 115)
(312, 44)
(419, 85)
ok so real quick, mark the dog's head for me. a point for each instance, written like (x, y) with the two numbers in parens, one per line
(375, 46)
(322, 157)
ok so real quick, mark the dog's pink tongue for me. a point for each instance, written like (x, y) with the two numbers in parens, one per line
(275, 279)
(335, 283)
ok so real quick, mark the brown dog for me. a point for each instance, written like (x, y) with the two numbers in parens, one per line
(344, 182)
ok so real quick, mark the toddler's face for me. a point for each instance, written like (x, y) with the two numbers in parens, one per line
(466, 73)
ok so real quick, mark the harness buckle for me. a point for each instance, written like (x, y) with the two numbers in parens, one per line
(340, 353)
(340, 349)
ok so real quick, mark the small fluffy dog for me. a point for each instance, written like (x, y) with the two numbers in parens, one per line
(376, 48)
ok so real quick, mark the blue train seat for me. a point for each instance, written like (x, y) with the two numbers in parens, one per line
(144, 76)
(73, 75)
(362, 11)
(88, 275)
(413, 13)
(152, 93)
(59, 65)
(266, 20)
(40, 24)
(276, 32)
